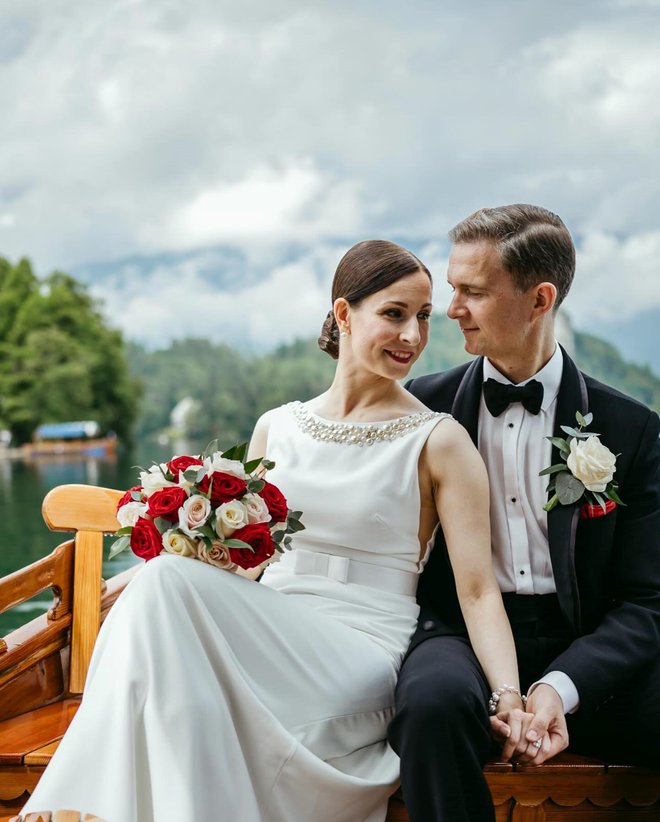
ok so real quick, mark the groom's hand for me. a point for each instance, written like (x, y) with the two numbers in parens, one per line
(548, 725)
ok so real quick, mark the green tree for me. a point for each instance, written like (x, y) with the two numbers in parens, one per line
(59, 360)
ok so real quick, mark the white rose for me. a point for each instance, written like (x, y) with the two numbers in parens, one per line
(129, 513)
(216, 462)
(592, 463)
(257, 510)
(230, 516)
(176, 543)
(153, 480)
(193, 513)
(217, 554)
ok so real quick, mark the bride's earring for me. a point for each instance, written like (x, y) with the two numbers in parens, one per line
(343, 333)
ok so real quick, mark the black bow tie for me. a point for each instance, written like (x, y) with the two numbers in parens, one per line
(498, 396)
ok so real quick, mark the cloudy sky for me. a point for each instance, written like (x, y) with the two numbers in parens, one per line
(204, 164)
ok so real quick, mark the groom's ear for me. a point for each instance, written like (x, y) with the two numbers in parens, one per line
(544, 298)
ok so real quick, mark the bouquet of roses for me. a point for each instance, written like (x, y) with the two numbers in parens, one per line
(212, 507)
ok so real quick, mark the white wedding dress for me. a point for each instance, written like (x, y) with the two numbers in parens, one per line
(212, 697)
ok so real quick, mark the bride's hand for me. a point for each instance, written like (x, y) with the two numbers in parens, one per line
(509, 727)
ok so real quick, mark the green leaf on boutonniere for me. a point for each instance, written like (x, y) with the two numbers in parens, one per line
(561, 444)
(553, 469)
(569, 489)
(585, 420)
(600, 500)
(551, 503)
(581, 435)
(612, 493)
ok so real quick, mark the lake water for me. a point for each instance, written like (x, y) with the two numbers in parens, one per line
(25, 538)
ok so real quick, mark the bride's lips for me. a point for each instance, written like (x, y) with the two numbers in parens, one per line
(468, 330)
(402, 357)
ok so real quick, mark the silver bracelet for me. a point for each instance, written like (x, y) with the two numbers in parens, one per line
(497, 693)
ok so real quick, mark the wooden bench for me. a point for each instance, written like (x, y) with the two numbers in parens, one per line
(43, 666)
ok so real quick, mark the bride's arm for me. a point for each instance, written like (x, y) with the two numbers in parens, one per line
(460, 487)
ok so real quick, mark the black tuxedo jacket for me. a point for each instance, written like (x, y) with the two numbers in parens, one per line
(606, 569)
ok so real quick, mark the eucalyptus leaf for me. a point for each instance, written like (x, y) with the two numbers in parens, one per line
(254, 486)
(211, 448)
(278, 536)
(136, 496)
(252, 465)
(208, 532)
(612, 493)
(551, 503)
(268, 464)
(237, 543)
(569, 489)
(588, 419)
(294, 526)
(162, 524)
(294, 514)
(553, 469)
(287, 541)
(581, 420)
(118, 546)
(561, 444)
(127, 529)
(236, 452)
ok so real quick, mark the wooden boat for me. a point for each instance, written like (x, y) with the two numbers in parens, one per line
(69, 439)
(43, 666)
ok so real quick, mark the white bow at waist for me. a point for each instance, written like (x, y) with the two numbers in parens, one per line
(347, 570)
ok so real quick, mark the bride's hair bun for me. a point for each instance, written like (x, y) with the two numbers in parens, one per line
(365, 269)
(329, 339)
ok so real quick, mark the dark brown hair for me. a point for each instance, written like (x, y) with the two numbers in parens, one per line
(366, 268)
(533, 243)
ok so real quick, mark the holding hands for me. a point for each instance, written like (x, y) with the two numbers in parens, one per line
(532, 734)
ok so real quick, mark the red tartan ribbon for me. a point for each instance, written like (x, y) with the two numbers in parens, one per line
(589, 511)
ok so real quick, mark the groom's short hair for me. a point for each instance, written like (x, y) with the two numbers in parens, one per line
(533, 243)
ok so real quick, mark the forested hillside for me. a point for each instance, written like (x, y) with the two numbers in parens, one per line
(233, 389)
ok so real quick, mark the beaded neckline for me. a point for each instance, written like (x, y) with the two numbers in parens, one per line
(357, 433)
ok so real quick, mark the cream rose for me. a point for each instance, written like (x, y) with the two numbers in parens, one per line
(216, 462)
(153, 480)
(230, 516)
(217, 554)
(193, 513)
(257, 510)
(177, 543)
(592, 463)
(130, 513)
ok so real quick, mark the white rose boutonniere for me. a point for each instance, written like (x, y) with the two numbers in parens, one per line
(587, 469)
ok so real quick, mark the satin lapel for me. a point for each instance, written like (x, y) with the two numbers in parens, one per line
(465, 407)
(563, 519)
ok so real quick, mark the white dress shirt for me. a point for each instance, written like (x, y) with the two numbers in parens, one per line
(515, 449)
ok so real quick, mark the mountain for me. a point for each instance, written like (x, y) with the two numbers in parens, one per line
(637, 338)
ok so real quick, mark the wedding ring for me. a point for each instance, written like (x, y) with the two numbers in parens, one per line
(538, 743)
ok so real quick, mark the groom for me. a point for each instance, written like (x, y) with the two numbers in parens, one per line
(581, 587)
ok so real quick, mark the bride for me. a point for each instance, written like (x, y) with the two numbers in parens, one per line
(212, 697)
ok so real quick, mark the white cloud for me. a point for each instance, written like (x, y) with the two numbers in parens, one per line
(616, 277)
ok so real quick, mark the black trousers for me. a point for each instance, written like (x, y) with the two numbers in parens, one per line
(441, 728)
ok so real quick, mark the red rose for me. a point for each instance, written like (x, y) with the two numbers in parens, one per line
(146, 541)
(259, 537)
(225, 487)
(166, 503)
(128, 496)
(275, 501)
(181, 463)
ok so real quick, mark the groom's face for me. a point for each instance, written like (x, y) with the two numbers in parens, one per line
(494, 316)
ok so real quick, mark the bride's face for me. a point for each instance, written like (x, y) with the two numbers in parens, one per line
(389, 329)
